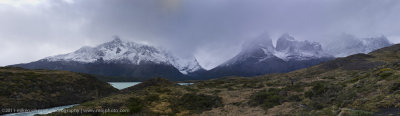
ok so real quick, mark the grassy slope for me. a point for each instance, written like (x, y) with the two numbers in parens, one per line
(356, 85)
(36, 89)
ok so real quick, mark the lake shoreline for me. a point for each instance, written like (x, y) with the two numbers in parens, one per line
(123, 85)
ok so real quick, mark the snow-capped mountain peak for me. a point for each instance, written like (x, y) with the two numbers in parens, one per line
(116, 40)
(287, 48)
(258, 56)
(263, 42)
(258, 48)
(285, 42)
(186, 66)
(118, 51)
(346, 44)
(375, 43)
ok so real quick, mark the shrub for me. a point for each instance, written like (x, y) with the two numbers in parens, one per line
(395, 87)
(162, 90)
(252, 85)
(296, 87)
(190, 89)
(317, 90)
(152, 98)
(385, 69)
(267, 98)
(135, 105)
(201, 102)
(361, 113)
(350, 112)
(321, 89)
(385, 72)
(346, 97)
(322, 94)
(316, 105)
(294, 98)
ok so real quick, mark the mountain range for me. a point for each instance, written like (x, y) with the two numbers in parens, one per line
(119, 60)
(122, 60)
(259, 56)
(347, 44)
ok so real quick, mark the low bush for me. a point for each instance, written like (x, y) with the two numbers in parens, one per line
(295, 87)
(267, 98)
(395, 87)
(253, 85)
(199, 102)
(323, 93)
(152, 98)
(323, 89)
(357, 113)
(385, 72)
(135, 105)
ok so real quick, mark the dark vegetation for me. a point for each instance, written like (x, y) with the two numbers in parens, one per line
(267, 98)
(111, 71)
(154, 97)
(36, 89)
(198, 103)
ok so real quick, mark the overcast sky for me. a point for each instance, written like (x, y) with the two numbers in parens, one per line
(211, 30)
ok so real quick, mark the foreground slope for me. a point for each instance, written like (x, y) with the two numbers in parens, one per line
(37, 89)
(358, 85)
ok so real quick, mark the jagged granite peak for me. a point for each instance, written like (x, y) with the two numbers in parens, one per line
(346, 44)
(259, 48)
(287, 48)
(287, 42)
(263, 42)
(116, 40)
(284, 42)
(118, 51)
(187, 66)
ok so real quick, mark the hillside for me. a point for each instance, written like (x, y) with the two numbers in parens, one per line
(358, 85)
(37, 89)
